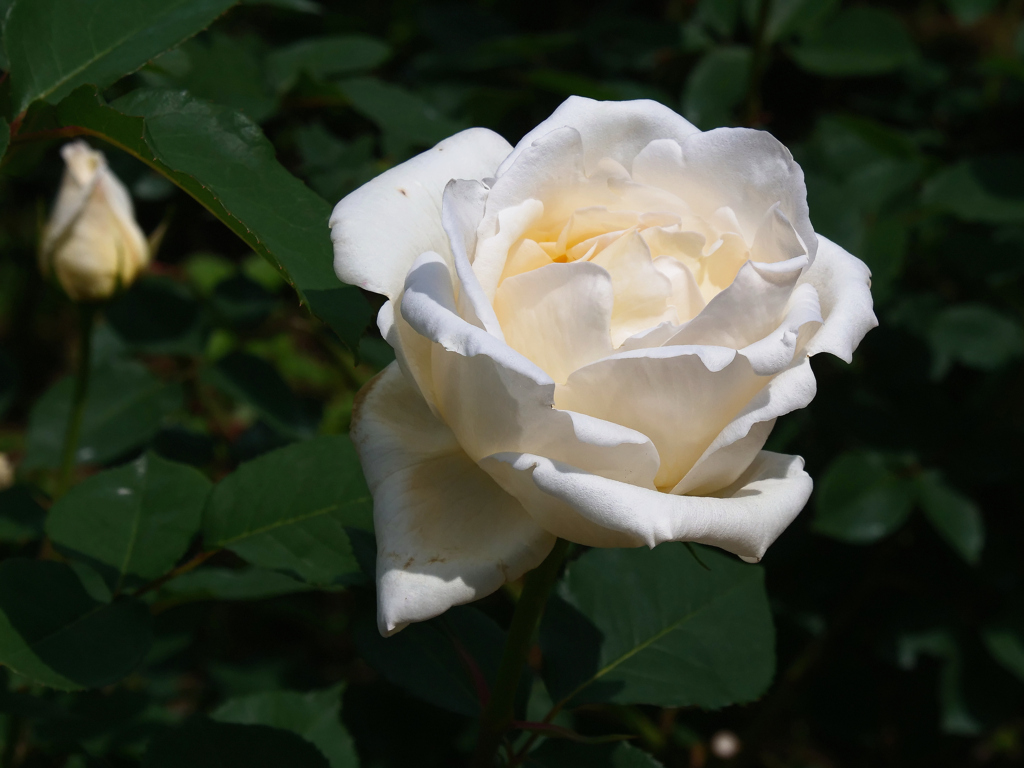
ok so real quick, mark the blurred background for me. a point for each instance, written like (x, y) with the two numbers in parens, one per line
(898, 594)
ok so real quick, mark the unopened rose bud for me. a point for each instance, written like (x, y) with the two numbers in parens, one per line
(92, 241)
(6, 472)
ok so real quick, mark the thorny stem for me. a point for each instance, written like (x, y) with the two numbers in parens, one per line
(498, 714)
(87, 317)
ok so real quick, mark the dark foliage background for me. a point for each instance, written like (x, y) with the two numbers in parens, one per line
(897, 595)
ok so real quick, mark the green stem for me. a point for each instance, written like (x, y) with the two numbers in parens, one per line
(87, 316)
(499, 712)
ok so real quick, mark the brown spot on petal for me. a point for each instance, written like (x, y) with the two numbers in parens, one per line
(404, 193)
(408, 563)
(437, 559)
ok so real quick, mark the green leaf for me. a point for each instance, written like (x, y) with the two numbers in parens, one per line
(654, 627)
(442, 661)
(223, 69)
(288, 509)
(223, 160)
(231, 584)
(158, 316)
(716, 86)
(251, 380)
(54, 46)
(957, 715)
(124, 409)
(404, 118)
(334, 167)
(885, 251)
(861, 498)
(137, 519)
(859, 41)
(974, 335)
(559, 753)
(987, 189)
(302, 6)
(52, 632)
(969, 11)
(5, 137)
(800, 17)
(21, 517)
(315, 716)
(323, 57)
(957, 519)
(1007, 647)
(242, 302)
(205, 744)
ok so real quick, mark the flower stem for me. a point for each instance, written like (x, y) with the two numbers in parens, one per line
(87, 317)
(498, 714)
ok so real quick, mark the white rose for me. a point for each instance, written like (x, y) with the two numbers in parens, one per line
(92, 241)
(595, 332)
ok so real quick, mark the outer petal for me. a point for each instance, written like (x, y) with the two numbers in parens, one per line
(680, 397)
(446, 532)
(615, 129)
(380, 229)
(843, 283)
(737, 445)
(742, 169)
(744, 518)
(494, 399)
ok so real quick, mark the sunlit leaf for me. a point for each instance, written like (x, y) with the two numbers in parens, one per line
(288, 510)
(51, 54)
(137, 519)
(654, 627)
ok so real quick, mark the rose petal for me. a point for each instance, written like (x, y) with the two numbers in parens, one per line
(446, 532)
(736, 446)
(744, 518)
(558, 316)
(461, 210)
(609, 129)
(760, 313)
(679, 397)
(742, 169)
(642, 292)
(494, 399)
(380, 229)
(843, 283)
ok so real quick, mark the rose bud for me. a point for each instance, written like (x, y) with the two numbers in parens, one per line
(92, 242)
(595, 332)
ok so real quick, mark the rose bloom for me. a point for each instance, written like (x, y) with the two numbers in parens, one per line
(92, 241)
(595, 332)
